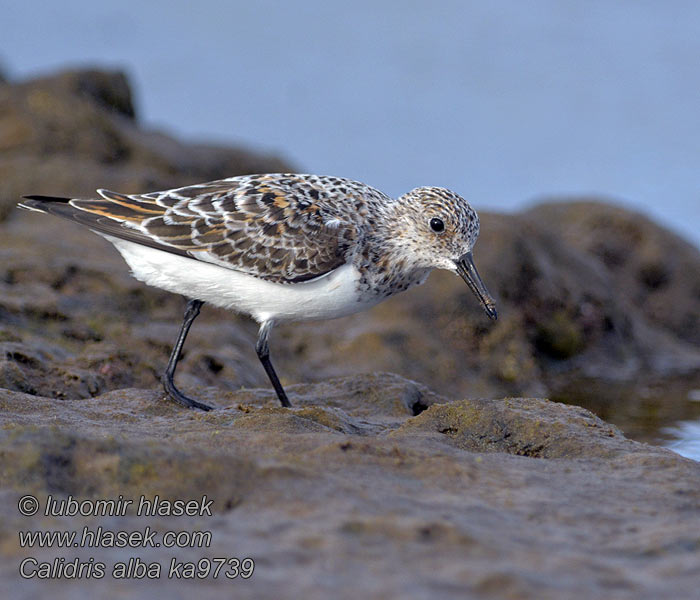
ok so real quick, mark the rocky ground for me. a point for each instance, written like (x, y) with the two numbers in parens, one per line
(373, 485)
(352, 494)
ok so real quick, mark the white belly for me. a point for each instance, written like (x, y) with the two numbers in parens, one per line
(331, 296)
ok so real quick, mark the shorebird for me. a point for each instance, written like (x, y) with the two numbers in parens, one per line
(280, 247)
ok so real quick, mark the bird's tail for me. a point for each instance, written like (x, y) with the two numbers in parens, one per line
(45, 204)
(99, 215)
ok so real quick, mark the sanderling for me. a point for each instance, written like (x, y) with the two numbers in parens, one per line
(281, 247)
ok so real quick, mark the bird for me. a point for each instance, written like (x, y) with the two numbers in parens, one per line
(280, 247)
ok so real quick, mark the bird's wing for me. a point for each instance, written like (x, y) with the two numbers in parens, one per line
(280, 227)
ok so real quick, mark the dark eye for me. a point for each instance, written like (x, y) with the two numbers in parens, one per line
(437, 225)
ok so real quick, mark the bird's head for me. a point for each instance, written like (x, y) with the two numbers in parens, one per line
(440, 228)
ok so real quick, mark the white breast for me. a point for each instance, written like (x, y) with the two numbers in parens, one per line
(333, 295)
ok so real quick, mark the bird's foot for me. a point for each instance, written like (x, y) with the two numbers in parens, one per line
(180, 398)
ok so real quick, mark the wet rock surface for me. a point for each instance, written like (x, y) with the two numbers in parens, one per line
(372, 485)
(349, 494)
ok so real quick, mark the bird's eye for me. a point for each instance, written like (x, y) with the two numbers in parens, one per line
(437, 225)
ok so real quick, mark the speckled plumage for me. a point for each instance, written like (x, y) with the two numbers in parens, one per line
(286, 228)
(284, 247)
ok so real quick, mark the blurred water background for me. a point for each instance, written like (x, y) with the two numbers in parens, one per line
(505, 102)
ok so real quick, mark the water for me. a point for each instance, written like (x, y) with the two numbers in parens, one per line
(502, 101)
(684, 436)
(685, 439)
(661, 412)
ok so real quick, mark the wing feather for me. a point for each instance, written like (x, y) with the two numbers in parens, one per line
(279, 227)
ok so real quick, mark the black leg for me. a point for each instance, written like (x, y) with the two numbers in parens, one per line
(191, 313)
(263, 349)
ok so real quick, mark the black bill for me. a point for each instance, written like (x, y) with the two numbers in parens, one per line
(468, 272)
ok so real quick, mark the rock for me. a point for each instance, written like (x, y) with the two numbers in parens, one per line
(658, 271)
(76, 131)
(521, 426)
(370, 483)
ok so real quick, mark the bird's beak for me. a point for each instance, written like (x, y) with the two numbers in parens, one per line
(468, 272)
